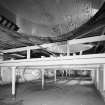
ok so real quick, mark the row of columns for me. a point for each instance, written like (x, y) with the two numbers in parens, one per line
(14, 79)
(68, 50)
(95, 76)
(42, 77)
(68, 72)
(43, 80)
(14, 75)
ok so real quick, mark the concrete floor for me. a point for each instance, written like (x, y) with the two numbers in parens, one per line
(64, 92)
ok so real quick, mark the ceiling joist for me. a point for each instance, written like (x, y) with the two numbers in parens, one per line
(74, 41)
(87, 40)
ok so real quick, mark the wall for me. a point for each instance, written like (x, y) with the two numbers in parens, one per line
(22, 74)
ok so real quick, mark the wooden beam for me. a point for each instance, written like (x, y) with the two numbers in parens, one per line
(87, 40)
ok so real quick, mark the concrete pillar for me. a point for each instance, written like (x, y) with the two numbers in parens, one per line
(93, 75)
(66, 73)
(62, 73)
(81, 52)
(104, 77)
(42, 78)
(69, 72)
(74, 54)
(13, 80)
(55, 78)
(97, 77)
(28, 53)
(1, 59)
(68, 49)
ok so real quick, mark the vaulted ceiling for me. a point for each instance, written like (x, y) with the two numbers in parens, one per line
(51, 17)
(43, 21)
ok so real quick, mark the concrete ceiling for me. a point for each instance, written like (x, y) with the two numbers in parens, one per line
(41, 17)
(50, 21)
(49, 12)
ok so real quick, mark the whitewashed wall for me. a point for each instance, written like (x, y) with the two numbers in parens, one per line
(22, 74)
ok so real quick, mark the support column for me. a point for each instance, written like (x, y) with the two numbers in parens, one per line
(74, 54)
(62, 73)
(103, 77)
(68, 50)
(97, 75)
(13, 80)
(55, 76)
(28, 53)
(66, 73)
(93, 75)
(1, 59)
(81, 52)
(69, 72)
(42, 78)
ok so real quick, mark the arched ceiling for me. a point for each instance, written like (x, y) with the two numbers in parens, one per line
(49, 11)
(51, 17)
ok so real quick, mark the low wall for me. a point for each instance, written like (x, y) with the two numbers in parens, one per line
(22, 74)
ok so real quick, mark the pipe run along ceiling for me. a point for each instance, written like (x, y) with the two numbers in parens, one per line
(51, 17)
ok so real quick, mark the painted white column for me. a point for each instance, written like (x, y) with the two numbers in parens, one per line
(104, 77)
(93, 75)
(68, 50)
(62, 73)
(42, 78)
(55, 78)
(1, 71)
(69, 72)
(66, 73)
(13, 80)
(81, 52)
(74, 54)
(97, 77)
(28, 53)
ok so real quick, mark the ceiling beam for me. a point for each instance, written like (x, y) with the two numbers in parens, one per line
(87, 40)
(18, 55)
(27, 48)
(66, 61)
(70, 42)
